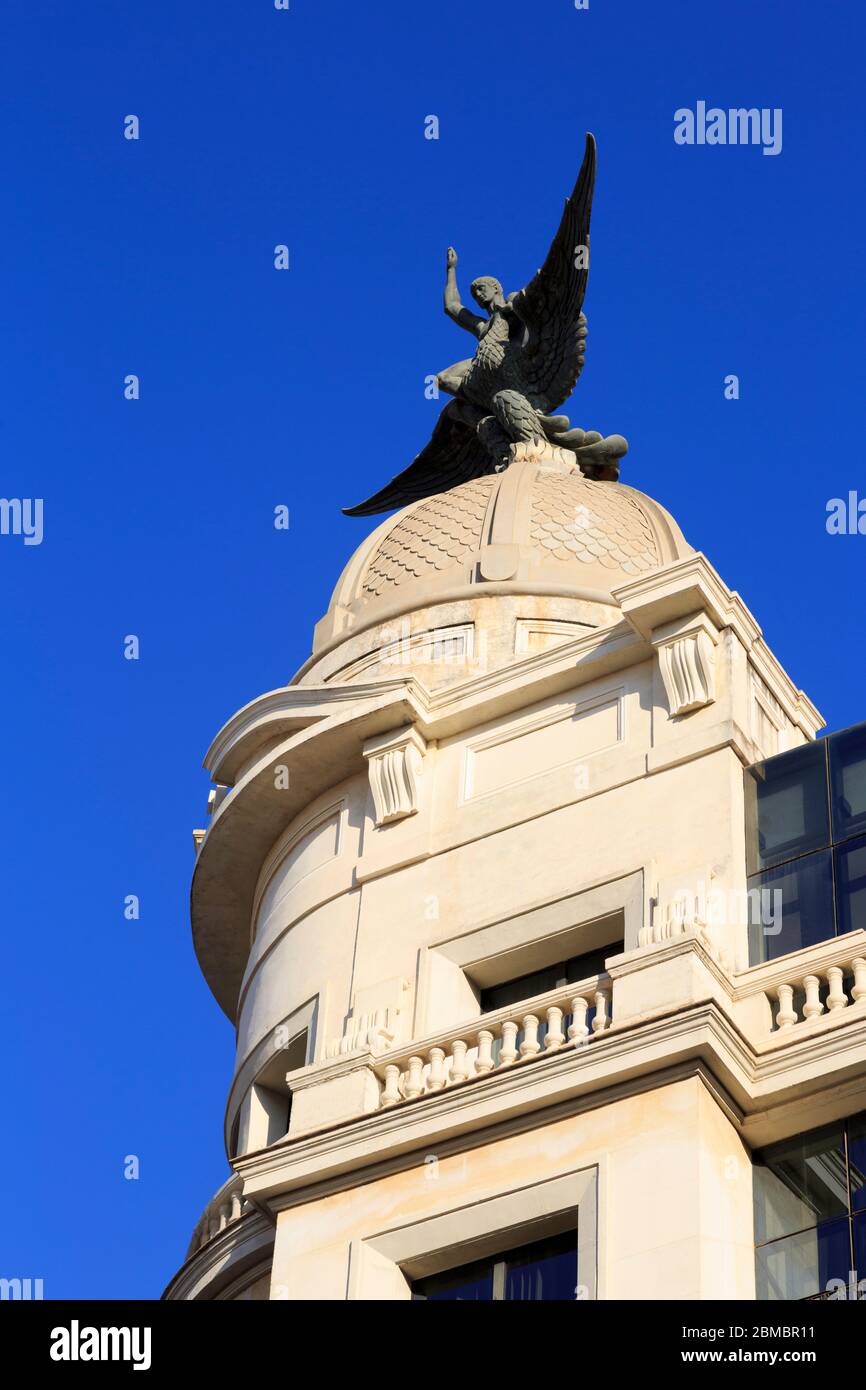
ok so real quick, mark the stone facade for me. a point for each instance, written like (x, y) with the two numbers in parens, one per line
(519, 740)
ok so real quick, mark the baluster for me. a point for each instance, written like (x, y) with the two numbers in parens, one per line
(459, 1069)
(391, 1093)
(858, 965)
(554, 1037)
(484, 1060)
(530, 1044)
(236, 1206)
(414, 1078)
(837, 998)
(225, 1213)
(785, 1018)
(577, 1029)
(436, 1079)
(601, 1020)
(508, 1052)
(213, 1227)
(813, 1006)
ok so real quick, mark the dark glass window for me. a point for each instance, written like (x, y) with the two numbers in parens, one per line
(857, 1161)
(851, 885)
(800, 1182)
(523, 987)
(802, 1265)
(545, 1271)
(472, 1283)
(790, 907)
(860, 1253)
(786, 806)
(807, 1231)
(565, 972)
(542, 1272)
(848, 782)
(791, 836)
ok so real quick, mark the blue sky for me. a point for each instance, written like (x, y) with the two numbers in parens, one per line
(306, 388)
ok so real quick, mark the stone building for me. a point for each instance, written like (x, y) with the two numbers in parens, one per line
(539, 911)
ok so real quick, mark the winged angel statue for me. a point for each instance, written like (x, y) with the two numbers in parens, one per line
(530, 353)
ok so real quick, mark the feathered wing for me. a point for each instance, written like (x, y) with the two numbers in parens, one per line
(550, 305)
(454, 455)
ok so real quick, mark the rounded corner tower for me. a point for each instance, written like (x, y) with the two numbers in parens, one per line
(453, 893)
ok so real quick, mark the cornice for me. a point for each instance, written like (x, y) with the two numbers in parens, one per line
(232, 1252)
(757, 1081)
(693, 585)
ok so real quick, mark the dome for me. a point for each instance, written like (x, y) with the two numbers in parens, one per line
(601, 531)
(533, 529)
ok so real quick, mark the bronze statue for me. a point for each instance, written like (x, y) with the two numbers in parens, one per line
(530, 353)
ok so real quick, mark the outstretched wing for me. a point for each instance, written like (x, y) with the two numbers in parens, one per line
(550, 305)
(454, 455)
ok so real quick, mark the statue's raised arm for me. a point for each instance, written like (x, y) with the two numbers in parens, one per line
(473, 323)
(530, 354)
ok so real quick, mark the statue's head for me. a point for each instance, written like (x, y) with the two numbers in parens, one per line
(486, 292)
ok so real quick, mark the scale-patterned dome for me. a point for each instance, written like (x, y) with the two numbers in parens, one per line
(539, 530)
(431, 536)
(592, 523)
(580, 534)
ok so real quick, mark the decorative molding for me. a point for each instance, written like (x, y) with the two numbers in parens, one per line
(556, 629)
(767, 720)
(452, 644)
(681, 908)
(394, 763)
(693, 584)
(687, 662)
(242, 1250)
(373, 1026)
(216, 797)
(374, 1032)
(480, 1227)
(579, 739)
(644, 1054)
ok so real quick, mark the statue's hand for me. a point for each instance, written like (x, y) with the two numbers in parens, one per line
(451, 258)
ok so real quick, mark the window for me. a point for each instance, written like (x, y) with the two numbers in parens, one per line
(848, 782)
(797, 911)
(810, 1214)
(806, 844)
(786, 806)
(524, 988)
(544, 1271)
(266, 1111)
(498, 1246)
(851, 884)
(557, 976)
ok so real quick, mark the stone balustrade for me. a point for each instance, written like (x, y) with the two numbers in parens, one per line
(822, 991)
(568, 1017)
(226, 1206)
